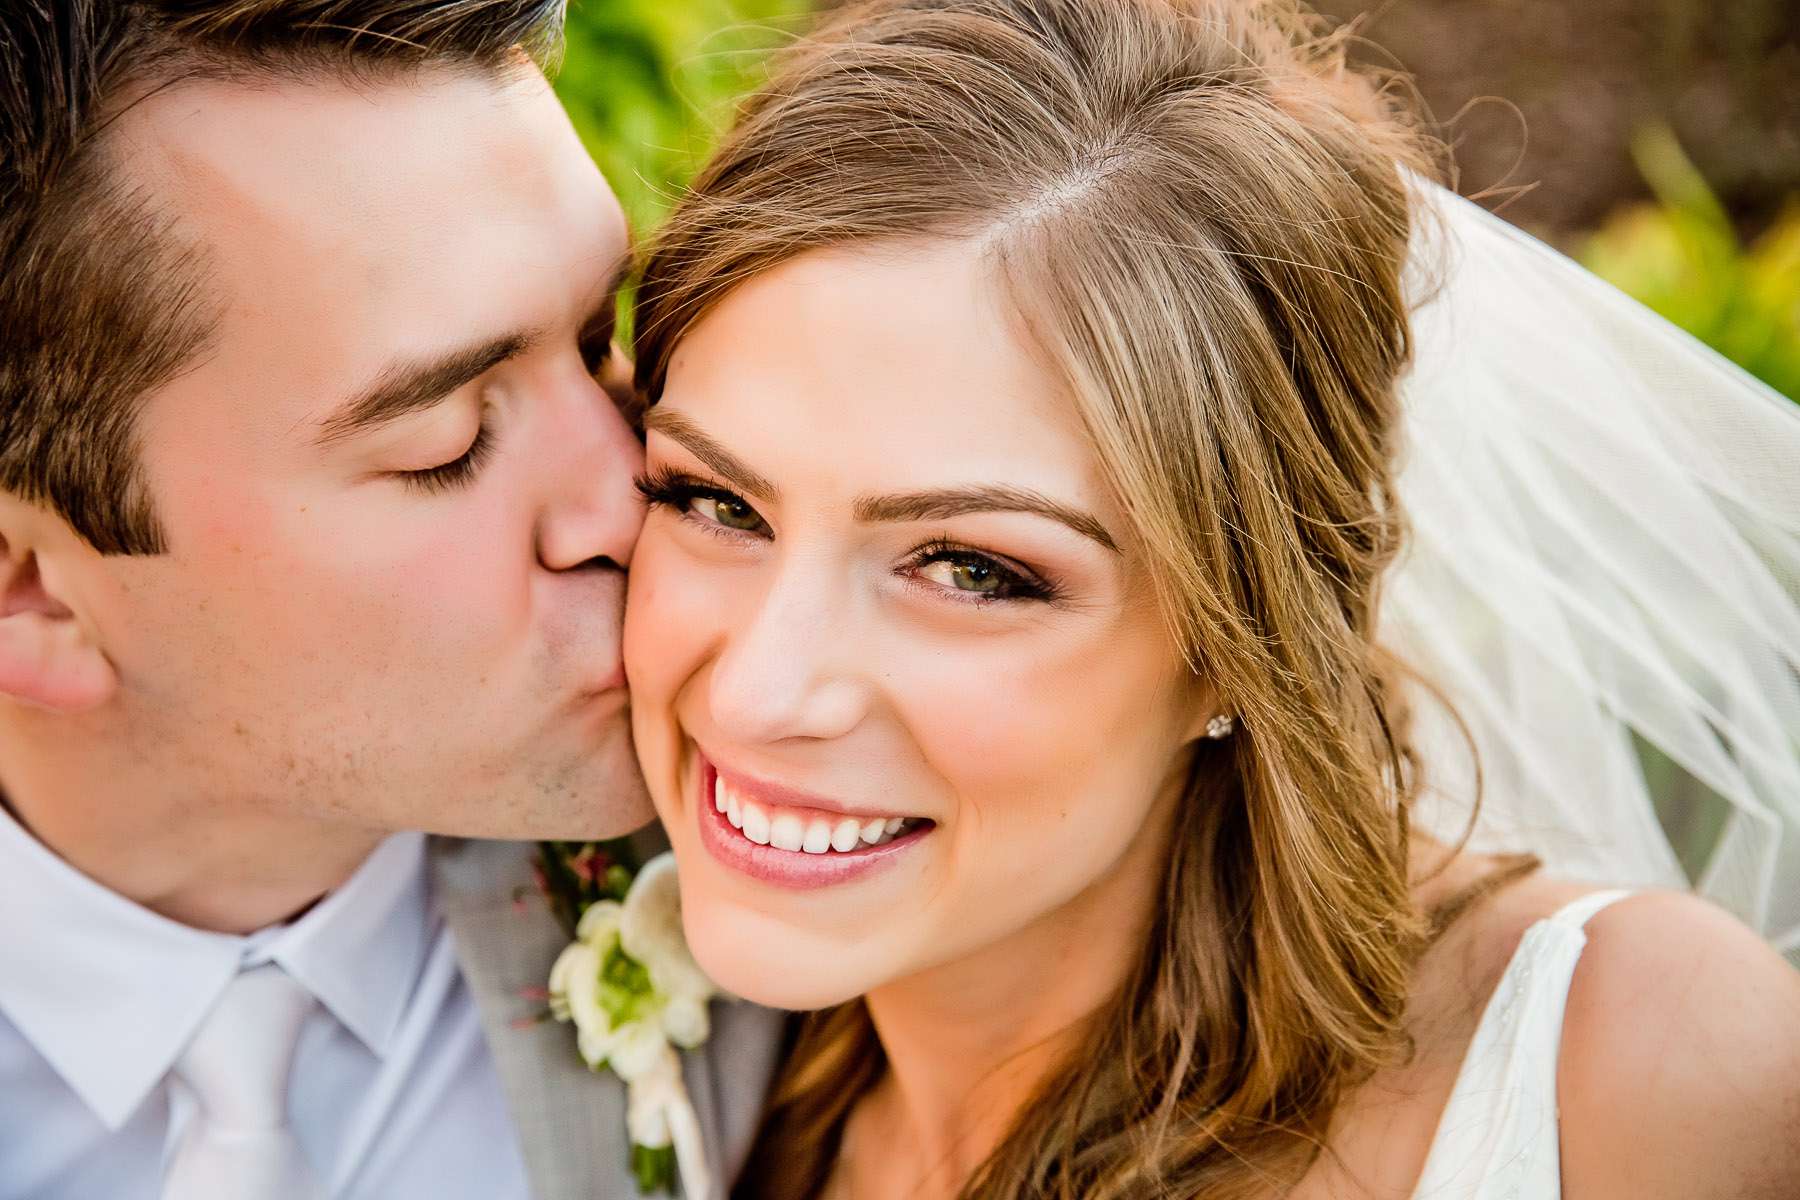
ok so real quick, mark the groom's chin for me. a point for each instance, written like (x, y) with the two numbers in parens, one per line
(606, 799)
(590, 792)
(601, 792)
(622, 807)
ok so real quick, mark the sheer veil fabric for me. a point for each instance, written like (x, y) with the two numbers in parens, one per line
(1604, 578)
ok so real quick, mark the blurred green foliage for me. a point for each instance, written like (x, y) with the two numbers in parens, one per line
(1681, 256)
(650, 84)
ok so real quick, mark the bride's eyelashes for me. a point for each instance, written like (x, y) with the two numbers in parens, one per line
(975, 576)
(716, 510)
(459, 471)
(958, 572)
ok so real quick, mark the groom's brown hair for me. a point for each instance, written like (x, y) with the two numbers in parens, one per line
(102, 299)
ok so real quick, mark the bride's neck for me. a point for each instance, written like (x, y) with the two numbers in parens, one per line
(969, 1043)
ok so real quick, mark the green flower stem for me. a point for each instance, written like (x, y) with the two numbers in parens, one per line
(654, 1167)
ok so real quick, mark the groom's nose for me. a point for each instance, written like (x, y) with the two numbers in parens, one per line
(592, 510)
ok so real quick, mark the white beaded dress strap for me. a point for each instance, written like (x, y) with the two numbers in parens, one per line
(1497, 1136)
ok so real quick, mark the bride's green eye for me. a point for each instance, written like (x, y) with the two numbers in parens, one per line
(973, 576)
(730, 512)
(692, 500)
(966, 575)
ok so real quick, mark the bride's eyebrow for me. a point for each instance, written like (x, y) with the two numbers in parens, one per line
(938, 504)
(933, 504)
(700, 444)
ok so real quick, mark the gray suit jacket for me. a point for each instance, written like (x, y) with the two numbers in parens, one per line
(571, 1121)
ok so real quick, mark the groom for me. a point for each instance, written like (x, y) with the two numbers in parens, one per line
(314, 524)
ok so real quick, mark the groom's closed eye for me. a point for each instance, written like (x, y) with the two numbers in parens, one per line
(409, 386)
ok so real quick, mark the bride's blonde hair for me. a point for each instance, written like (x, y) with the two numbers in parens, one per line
(1201, 214)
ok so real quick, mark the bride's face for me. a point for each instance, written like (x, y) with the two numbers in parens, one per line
(885, 616)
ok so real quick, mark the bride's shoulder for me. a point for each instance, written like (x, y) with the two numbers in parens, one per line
(1679, 1073)
(1680, 1062)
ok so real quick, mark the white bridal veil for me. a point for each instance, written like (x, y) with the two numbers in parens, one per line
(1604, 578)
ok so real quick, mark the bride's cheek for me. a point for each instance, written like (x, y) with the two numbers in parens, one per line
(669, 610)
(669, 614)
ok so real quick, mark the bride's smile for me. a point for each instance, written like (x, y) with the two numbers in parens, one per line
(899, 682)
(786, 837)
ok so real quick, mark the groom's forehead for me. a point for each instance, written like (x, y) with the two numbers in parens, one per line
(373, 220)
(334, 166)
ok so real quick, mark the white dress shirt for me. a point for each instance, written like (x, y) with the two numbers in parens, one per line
(393, 1094)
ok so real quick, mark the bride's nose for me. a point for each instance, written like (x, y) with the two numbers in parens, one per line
(787, 666)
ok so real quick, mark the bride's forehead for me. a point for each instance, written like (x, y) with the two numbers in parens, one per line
(907, 361)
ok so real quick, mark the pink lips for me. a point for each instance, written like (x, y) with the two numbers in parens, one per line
(787, 868)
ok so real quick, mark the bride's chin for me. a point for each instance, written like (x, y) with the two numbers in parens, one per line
(747, 958)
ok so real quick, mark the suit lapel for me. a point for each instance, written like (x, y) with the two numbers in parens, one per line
(571, 1121)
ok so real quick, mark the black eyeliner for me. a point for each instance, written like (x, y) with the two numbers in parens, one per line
(1026, 584)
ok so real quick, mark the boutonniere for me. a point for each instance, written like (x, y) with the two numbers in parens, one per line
(634, 994)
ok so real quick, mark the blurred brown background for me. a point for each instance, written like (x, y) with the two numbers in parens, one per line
(1550, 92)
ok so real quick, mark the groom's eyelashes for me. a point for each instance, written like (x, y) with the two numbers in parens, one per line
(459, 471)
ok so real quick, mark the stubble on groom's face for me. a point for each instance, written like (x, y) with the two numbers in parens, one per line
(399, 506)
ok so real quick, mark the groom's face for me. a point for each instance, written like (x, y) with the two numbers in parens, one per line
(397, 502)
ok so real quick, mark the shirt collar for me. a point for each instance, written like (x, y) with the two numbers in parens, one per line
(360, 949)
(110, 993)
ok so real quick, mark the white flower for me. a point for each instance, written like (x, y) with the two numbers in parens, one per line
(631, 988)
(650, 927)
(686, 1021)
(658, 1113)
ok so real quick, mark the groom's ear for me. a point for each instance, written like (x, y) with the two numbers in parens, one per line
(49, 657)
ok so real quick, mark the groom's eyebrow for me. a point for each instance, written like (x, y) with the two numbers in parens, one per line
(406, 387)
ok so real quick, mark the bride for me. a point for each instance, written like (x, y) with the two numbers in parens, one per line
(1025, 384)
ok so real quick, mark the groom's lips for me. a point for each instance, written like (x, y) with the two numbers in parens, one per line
(790, 869)
(610, 687)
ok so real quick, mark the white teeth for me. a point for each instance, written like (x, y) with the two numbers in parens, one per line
(795, 834)
(756, 824)
(787, 832)
(818, 836)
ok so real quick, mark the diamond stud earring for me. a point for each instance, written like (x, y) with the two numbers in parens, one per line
(1220, 727)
